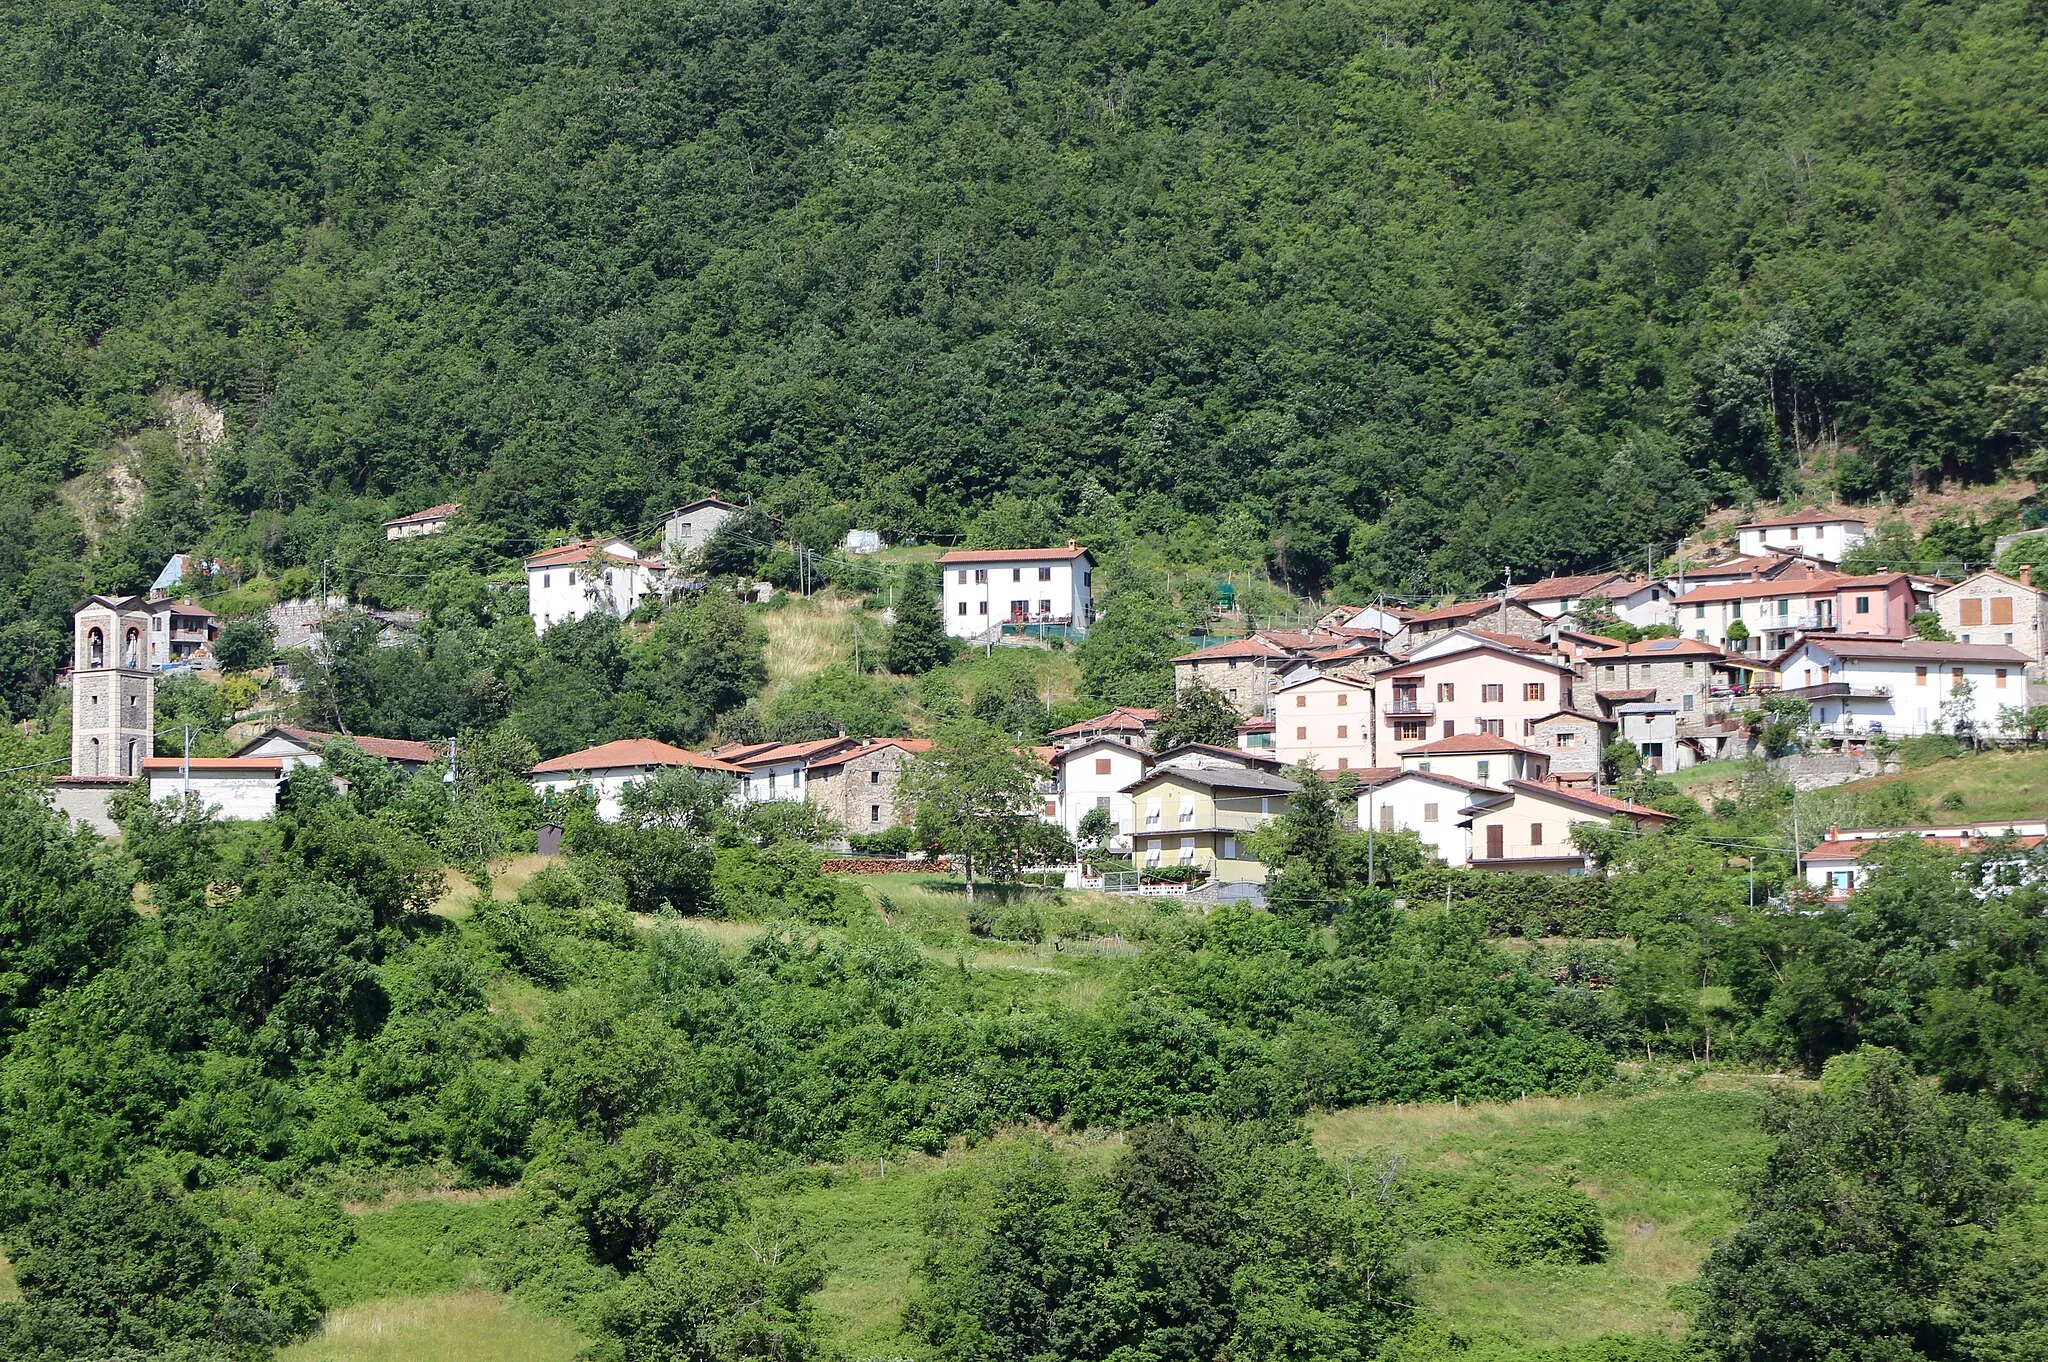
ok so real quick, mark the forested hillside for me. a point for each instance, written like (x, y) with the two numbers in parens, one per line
(1412, 291)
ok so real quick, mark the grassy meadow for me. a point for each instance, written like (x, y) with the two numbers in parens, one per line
(1661, 1157)
(1999, 783)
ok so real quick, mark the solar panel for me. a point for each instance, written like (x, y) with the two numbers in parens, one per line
(1663, 645)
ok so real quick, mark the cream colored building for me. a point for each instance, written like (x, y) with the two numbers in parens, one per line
(1324, 721)
(1528, 826)
(1478, 758)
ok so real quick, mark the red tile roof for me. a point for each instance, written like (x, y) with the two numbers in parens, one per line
(1590, 800)
(1237, 647)
(1374, 777)
(910, 746)
(1571, 588)
(1628, 697)
(1821, 584)
(441, 512)
(778, 753)
(568, 554)
(390, 749)
(631, 752)
(1123, 718)
(1655, 649)
(1468, 744)
(1856, 850)
(1071, 551)
(2009, 581)
(1514, 641)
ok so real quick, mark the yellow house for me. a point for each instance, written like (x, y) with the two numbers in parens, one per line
(1198, 815)
(1527, 826)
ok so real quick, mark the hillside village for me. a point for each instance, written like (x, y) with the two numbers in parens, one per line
(1486, 728)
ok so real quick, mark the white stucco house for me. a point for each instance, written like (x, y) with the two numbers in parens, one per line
(1428, 803)
(605, 771)
(984, 589)
(566, 583)
(1096, 774)
(1900, 686)
(773, 771)
(1836, 868)
(1825, 535)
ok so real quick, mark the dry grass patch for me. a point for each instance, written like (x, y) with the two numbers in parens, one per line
(464, 1326)
(807, 635)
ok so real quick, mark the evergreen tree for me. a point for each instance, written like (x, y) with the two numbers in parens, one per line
(918, 640)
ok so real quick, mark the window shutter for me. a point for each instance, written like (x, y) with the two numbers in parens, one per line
(1973, 611)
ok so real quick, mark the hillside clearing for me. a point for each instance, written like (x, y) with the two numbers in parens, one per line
(2001, 783)
(462, 1326)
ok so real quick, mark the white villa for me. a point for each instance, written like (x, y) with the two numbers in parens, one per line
(984, 589)
(1901, 686)
(565, 584)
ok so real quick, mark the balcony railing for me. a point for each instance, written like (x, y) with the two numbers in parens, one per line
(1838, 690)
(1420, 709)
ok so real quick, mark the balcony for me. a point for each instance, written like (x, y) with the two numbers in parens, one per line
(1837, 690)
(1409, 708)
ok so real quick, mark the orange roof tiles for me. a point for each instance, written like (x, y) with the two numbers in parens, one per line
(629, 752)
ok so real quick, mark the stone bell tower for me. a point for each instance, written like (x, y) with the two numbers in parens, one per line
(113, 690)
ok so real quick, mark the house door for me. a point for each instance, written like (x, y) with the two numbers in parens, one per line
(1496, 842)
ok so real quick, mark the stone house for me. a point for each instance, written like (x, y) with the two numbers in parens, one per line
(856, 786)
(1500, 616)
(1242, 671)
(1573, 742)
(1990, 607)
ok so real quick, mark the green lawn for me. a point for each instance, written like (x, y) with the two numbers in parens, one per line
(1662, 1166)
(1994, 784)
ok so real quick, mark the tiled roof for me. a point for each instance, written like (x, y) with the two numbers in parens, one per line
(1629, 696)
(1805, 518)
(792, 751)
(1468, 744)
(1514, 641)
(1870, 649)
(390, 749)
(1589, 800)
(1123, 718)
(1856, 850)
(1071, 551)
(911, 746)
(1237, 647)
(578, 552)
(1655, 650)
(1375, 777)
(274, 765)
(1220, 778)
(1333, 678)
(630, 752)
(441, 512)
(1821, 585)
(1457, 610)
(1571, 588)
(1256, 726)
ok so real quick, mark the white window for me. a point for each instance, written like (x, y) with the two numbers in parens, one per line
(1187, 851)
(1152, 812)
(1152, 855)
(1429, 813)
(1187, 813)
(1230, 848)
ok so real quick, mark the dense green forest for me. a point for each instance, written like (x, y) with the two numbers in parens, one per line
(1397, 293)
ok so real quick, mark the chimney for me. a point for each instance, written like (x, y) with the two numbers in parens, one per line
(1834, 832)
(2026, 574)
